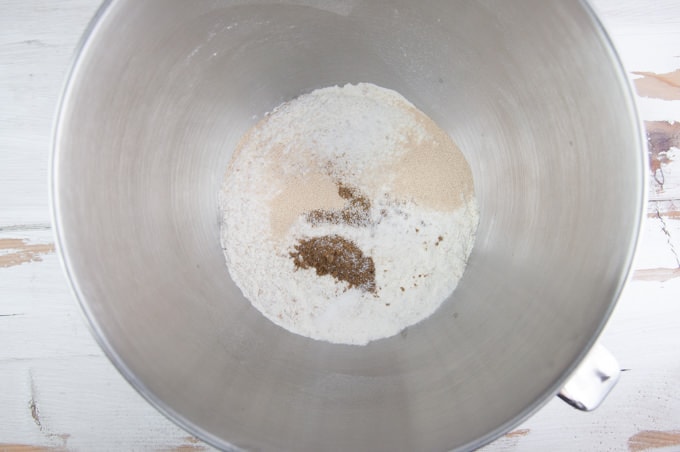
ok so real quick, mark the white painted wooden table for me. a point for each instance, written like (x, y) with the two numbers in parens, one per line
(59, 392)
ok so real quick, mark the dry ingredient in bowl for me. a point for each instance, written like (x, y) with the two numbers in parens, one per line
(347, 214)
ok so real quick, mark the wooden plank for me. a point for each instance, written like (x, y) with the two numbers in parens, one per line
(53, 407)
(663, 140)
(646, 398)
(646, 34)
(659, 245)
(65, 394)
(37, 39)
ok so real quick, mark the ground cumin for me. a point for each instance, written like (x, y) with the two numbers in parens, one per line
(356, 211)
(338, 257)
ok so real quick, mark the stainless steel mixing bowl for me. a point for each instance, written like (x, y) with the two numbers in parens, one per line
(532, 92)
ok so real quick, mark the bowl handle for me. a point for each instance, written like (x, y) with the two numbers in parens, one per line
(592, 380)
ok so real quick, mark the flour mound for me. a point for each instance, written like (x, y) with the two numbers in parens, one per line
(375, 186)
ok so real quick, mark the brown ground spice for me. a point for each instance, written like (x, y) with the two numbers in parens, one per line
(356, 212)
(338, 257)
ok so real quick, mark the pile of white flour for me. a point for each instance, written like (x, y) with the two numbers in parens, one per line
(414, 213)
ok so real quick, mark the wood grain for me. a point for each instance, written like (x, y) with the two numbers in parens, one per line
(663, 140)
(653, 439)
(660, 86)
(656, 274)
(37, 39)
(28, 448)
(518, 433)
(22, 252)
(662, 136)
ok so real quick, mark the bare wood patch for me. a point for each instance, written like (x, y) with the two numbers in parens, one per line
(21, 252)
(653, 439)
(518, 433)
(661, 137)
(4, 447)
(191, 444)
(668, 214)
(659, 86)
(656, 274)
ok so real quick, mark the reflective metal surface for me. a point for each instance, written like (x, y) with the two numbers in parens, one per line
(530, 89)
(592, 381)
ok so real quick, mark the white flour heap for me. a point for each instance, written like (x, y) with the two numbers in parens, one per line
(347, 215)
